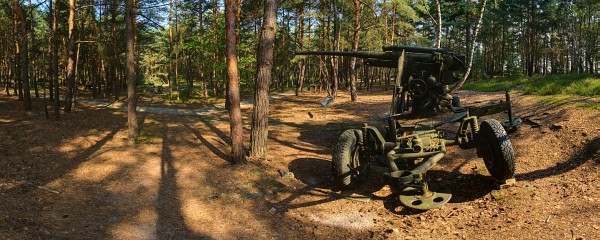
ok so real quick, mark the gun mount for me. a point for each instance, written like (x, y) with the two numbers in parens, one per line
(405, 152)
(422, 79)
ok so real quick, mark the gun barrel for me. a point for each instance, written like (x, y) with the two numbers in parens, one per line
(358, 54)
(399, 48)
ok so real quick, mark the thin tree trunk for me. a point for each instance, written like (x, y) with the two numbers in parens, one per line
(438, 12)
(33, 74)
(23, 56)
(71, 61)
(471, 49)
(170, 72)
(177, 36)
(17, 78)
(203, 87)
(336, 46)
(260, 116)
(56, 11)
(301, 62)
(235, 114)
(354, 48)
(115, 60)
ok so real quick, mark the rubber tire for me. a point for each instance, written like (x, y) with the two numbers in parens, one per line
(344, 154)
(455, 101)
(496, 150)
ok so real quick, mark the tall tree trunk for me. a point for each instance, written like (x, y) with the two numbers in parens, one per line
(49, 57)
(471, 49)
(132, 122)
(115, 60)
(354, 48)
(71, 61)
(23, 55)
(438, 11)
(177, 36)
(33, 75)
(170, 71)
(213, 76)
(384, 12)
(17, 77)
(260, 115)
(203, 87)
(336, 46)
(301, 61)
(55, 13)
(235, 114)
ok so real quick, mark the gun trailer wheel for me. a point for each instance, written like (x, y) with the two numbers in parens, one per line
(496, 150)
(350, 169)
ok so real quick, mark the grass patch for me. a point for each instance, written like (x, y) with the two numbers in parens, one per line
(570, 84)
(575, 84)
(496, 84)
(588, 106)
(556, 100)
(150, 132)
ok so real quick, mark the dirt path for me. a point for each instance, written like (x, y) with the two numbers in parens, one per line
(177, 183)
(202, 111)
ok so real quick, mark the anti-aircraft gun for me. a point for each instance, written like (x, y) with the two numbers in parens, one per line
(405, 152)
(423, 76)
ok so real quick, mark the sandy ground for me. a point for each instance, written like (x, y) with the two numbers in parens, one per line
(79, 179)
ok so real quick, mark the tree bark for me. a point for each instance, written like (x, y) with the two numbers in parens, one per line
(71, 62)
(260, 116)
(132, 122)
(235, 114)
(438, 11)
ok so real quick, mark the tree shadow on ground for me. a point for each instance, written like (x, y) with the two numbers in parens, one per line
(171, 223)
(321, 147)
(590, 152)
(63, 164)
(205, 141)
(316, 175)
(464, 187)
(312, 172)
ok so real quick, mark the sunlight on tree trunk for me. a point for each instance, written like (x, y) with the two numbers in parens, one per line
(260, 116)
(71, 61)
(235, 114)
(438, 12)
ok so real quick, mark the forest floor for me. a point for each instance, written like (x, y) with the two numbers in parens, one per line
(78, 178)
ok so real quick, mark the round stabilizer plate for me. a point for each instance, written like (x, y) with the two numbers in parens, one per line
(438, 196)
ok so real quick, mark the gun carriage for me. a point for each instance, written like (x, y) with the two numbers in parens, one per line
(404, 152)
